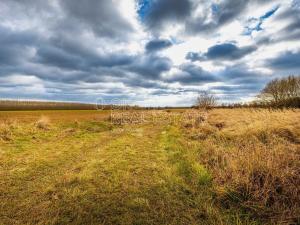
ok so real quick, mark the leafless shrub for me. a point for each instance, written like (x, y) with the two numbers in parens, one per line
(206, 101)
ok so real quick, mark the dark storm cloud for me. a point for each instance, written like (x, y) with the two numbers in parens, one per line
(292, 30)
(14, 45)
(285, 61)
(11, 37)
(239, 81)
(33, 8)
(10, 55)
(150, 66)
(140, 82)
(158, 44)
(196, 74)
(102, 17)
(243, 76)
(191, 74)
(233, 93)
(226, 51)
(222, 14)
(57, 57)
(161, 12)
(238, 88)
(88, 53)
(291, 13)
(237, 74)
(76, 59)
(61, 55)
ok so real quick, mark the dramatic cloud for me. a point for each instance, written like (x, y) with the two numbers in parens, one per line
(150, 66)
(286, 61)
(156, 45)
(219, 15)
(79, 59)
(148, 52)
(15, 45)
(102, 17)
(158, 13)
(227, 51)
(192, 74)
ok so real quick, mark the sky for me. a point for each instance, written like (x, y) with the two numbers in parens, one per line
(146, 52)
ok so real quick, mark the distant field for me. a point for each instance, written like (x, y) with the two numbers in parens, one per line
(224, 166)
(60, 116)
(7, 105)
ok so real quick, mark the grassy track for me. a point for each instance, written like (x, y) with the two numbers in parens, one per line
(107, 176)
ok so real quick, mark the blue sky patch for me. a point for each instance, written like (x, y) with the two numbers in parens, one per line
(215, 8)
(259, 21)
(269, 13)
(143, 8)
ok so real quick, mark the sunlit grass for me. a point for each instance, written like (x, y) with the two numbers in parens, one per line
(76, 167)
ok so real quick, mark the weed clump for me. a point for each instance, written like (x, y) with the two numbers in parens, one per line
(7, 129)
(5, 132)
(193, 119)
(43, 123)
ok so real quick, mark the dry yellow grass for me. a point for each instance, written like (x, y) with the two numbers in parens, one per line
(233, 166)
(55, 116)
(254, 157)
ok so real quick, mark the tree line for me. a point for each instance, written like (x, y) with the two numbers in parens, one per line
(284, 92)
(278, 93)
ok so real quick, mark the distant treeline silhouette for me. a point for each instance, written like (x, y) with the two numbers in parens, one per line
(14, 105)
(6, 105)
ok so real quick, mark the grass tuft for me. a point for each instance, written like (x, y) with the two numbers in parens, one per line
(43, 123)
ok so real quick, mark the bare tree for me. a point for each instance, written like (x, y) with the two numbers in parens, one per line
(282, 90)
(205, 100)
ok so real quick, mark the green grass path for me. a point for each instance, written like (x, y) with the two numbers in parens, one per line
(138, 175)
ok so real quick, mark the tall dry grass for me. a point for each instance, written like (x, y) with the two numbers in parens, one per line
(254, 157)
(6, 129)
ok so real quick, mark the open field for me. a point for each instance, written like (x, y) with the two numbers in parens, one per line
(224, 166)
(7, 105)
